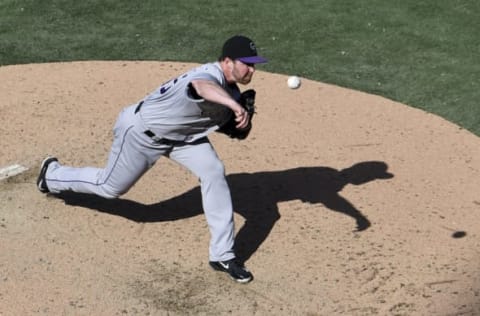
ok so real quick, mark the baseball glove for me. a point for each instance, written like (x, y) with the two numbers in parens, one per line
(247, 101)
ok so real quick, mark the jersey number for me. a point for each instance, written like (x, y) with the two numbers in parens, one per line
(167, 85)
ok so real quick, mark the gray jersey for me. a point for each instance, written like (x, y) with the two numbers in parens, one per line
(172, 112)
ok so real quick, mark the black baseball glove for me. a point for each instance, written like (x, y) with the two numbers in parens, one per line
(247, 101)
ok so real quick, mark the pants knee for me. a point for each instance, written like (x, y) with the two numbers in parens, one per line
(214, 170)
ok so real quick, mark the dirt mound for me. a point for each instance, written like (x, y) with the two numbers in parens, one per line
(320, 162)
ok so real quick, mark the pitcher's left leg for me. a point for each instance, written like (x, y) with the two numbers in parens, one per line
(202, 160)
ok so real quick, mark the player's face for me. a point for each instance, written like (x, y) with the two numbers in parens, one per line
(242, 73)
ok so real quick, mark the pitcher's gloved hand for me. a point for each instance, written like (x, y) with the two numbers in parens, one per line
(247, 101)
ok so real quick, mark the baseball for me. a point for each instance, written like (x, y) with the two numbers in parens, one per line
(293, 82)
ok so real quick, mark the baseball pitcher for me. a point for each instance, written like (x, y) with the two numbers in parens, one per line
(174, 121)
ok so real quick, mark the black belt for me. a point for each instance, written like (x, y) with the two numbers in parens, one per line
(149, 133)
(154, 137)
(160, 140)
(139, 106)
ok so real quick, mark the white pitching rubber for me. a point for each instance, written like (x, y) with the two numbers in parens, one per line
(11, 171)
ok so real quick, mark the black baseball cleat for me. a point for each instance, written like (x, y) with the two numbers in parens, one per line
(237, 272)
(41, 182)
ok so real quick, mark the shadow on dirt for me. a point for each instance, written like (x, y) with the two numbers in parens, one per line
(255, 197)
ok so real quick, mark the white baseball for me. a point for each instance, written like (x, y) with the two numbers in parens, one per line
(293, 82)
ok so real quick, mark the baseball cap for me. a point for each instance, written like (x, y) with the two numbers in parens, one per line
(242, 48)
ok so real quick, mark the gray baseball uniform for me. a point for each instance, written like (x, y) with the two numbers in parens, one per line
(174, 122)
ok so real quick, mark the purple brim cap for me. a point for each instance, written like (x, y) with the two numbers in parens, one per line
(253, 60)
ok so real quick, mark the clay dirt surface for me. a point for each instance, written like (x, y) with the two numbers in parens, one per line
(320, 162)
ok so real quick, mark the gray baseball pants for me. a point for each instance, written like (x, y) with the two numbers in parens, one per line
(133, 153)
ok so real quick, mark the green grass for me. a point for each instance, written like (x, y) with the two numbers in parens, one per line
(422, 53)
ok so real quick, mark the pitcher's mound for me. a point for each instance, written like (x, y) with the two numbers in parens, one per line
(346, 204)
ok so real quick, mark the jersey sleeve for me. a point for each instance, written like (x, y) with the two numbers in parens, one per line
(210, 72)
